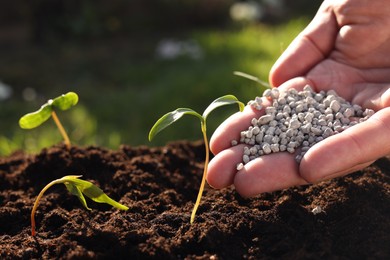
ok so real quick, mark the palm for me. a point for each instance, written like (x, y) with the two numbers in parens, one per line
(368, 88)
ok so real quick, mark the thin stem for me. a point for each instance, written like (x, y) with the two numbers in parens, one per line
(61, 128)
(34, 209)
(206, 163)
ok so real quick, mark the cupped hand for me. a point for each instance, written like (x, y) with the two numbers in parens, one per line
(346, 48)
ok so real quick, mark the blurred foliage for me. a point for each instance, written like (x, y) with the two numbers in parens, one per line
(124, 87)
(53, 20)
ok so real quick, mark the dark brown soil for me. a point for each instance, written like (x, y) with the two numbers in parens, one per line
(159, 185)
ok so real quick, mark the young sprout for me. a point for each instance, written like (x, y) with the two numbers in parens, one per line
(175, 115)
(35, 119)
(76, 187)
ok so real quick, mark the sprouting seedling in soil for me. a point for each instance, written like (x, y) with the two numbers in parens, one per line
(175, 115)
(35, 119)
(76, 187)
(253, 78)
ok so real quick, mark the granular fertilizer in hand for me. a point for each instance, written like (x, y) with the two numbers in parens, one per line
(296, 121)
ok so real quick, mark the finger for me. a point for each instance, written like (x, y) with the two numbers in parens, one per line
(297, 83)
(231, 128)
(372, 95)
(311, 46)
(223, 167)
(352, 149)
(268, 173)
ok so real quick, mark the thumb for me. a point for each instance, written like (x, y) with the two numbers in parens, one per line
(349, 151)
(311, 46)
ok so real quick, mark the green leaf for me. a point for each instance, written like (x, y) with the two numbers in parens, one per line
(74, 190)
(79, 187)
(222, 101)
(96, 194)
(34, 119)
(65, 101)
(253, 78)
(169, 118)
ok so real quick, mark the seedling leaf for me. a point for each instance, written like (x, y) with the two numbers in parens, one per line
(95, 193)
(253, 78)
(74, 190)
(169, 118)
(34, 119)
(65, 101)
(222, 101)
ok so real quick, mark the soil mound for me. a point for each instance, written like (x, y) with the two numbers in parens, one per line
(159, 185)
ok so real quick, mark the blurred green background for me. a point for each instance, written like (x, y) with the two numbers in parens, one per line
(133, 61)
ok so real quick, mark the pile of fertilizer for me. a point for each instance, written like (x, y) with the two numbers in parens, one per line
(296, 121)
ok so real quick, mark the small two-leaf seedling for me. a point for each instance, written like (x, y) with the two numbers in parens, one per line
(175, 115)
(47, 110)
(76, 187)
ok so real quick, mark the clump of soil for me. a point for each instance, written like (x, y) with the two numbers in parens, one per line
(159, 185)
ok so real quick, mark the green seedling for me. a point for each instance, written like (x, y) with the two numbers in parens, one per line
(77, 187)
(47, 110)
(175, 115)
(253, 78)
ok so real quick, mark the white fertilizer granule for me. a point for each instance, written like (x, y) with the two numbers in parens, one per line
(297, 121)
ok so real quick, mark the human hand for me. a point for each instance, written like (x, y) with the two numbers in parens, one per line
(346, 48)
